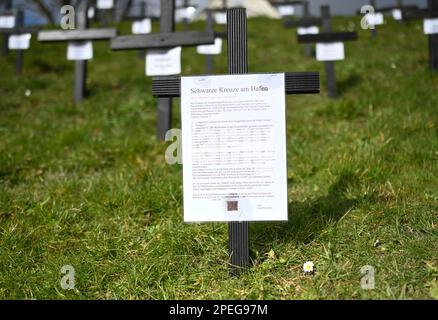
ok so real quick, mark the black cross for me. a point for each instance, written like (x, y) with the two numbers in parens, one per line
(278, 4)
(185, 5)
(18, 29)
(306, 21)
(296, 83)
(81, 33)
(5, 50)
(104, 15)
(144, 14)
(167, 38)
(430, 12)
(209, 59)
(328, 36)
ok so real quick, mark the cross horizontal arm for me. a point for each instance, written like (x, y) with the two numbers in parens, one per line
(140, 17)
(304, 22)
(19, 30)
(76, 35)
(287, 3)
(296, 83)
(419, 14)
(327, 37)
(390, 8)
(162, 40)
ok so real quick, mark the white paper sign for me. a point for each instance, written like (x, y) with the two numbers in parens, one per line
(234, 148)
(19, 41)
(308, 30)
(220, 17)
(163, 62)
(80, 50)
(211, 49)
(142, 26)
(105, 4)
(430, 26)
(286, 10)
(397, 14)
(91, 12)
(184, 13)
(330, 51)
(7, 22)
(375, 19)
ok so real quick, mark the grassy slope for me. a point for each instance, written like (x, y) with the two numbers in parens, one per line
(88, 186)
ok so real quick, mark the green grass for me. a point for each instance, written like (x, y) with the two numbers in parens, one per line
(88, 185)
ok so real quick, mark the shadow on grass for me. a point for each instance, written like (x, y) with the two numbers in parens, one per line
(45, 67)
(309, 218)
(345, 85)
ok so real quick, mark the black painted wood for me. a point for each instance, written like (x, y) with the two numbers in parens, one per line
(433, 38)
(209, 59)
(19, 54)
(77, 35)
(81, 33)
(303, 22)
(330, 70)
(430, 12)
(238, 232)
(167, 38)
(308, 48)
(373, 30)
(165, 105)
(162, 40)
(81, 67)
(401, 7)
(5, 49)
(327, 36)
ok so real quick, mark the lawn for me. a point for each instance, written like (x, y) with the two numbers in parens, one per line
(88, 186)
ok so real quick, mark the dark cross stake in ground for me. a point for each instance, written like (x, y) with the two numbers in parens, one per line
(185, 9)
(106, 9)
(81, 34)
(430, 13)
(18, 36)
(140, 19)
(209, 58)
(296, 83)
(7, 8)
(306, 23)
(165, 40)
(327, 37)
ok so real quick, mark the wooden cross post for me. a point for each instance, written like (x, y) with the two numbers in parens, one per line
(17, 30)
(210, 22)
(374, 29)
(329, 65)
(82, 33)
(433, 38)
(19, 23)
(306, 21)
(167, 38)
(432, 13)
(185, 20)
(327, 36)
(308, 49)
(5, 50)
(296, 83)
(144, 14)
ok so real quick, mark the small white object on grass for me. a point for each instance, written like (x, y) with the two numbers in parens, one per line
(27, 93)
(308, 267)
